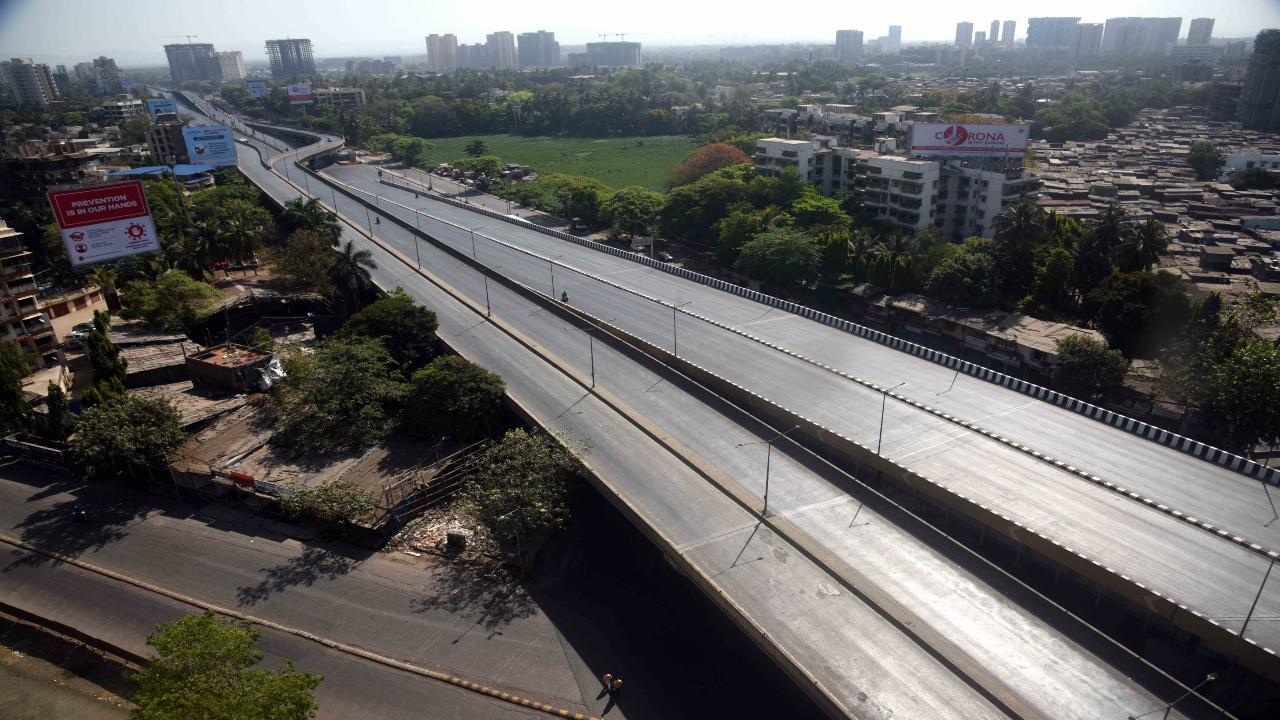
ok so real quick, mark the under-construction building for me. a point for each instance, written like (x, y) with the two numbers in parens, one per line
(290, 58)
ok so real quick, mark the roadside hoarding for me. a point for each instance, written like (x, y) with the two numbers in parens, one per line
(300, 94)
(104, 222)
(161, 105)
(965, 140)
(210, 144)
(257, 88)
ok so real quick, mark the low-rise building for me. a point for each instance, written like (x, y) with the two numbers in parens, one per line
(164, 140)
(121, 110)
(340, 97)
(21, 320)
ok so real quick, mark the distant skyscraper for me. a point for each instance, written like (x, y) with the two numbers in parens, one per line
(502, 49)
(848, 45)
(107, 77)
(31, 83)
(994, 35)
(1140, 36)
(1050, 32)
(1086, 40)
(538, 49)
(230, 65)
(1010, 31)
(979, 39)
(1201, 32)
(964, 34)
(895, 38)
(475, 55)
(189, 62)
(290, 58)
(1260, 98)
(442, 52)
(614, 54)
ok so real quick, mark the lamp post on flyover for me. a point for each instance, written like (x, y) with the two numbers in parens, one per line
(473, 251)
(1169, 708)
(675, 340)
(552, 265)
(768, 457)
(488, 309)
(1252, 607)
(884, 397)
(368, 220)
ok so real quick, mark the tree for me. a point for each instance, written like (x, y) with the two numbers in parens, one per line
(735, 230)
(104, 357)
(13, 403)
(136, 429)
(336, 502)
(1206, 159)
(1020, 231)
(1138, 310)
(1051, 291)
(966, 277)
(476, 147)
(1086, 367)
(305, 260)
(781, 256)
(487, 165)
(204, 667)
(706, 159)
(349, 275)
(341, 397)
(1141, 245)
(452, 396)
(175, 301)
(1255, 178)
(56, 419)
(1243, 393)
(237, 228)
(406, 329)
(410, 150)
(632, 210)
(814, 210)
(308, 214)
(519, 487)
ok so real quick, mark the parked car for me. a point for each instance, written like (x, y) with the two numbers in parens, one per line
(666, 257)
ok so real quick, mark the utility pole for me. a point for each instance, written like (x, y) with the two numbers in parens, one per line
(884, 398)
(768, 456)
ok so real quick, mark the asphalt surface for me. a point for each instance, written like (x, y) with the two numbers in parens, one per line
(1212, 575)
(809, 614)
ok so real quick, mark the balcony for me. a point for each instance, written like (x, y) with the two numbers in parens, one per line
(19, 289)
(16, 270)
(11, 244)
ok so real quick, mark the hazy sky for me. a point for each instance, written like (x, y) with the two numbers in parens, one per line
(133, 31)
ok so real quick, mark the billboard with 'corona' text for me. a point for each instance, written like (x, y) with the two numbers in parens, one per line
(104, 222)
(300, 94)
(965, 140)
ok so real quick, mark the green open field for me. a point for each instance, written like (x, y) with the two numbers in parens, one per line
(616, 162)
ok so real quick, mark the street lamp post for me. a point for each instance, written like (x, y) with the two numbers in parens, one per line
(1169, 707)
(551, 264)
(768, 457)
(1252, 607)
(675, 340)
(884, 397)
(368, 220)
(473, 251)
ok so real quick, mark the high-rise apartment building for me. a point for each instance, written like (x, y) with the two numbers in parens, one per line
(442, 52)
(1259, 105)
(1010, 30)
(1140, 36)
(502, 49)
(61, 79)
(1051, 32)
(229, 65)
(21, 320)
(964, 34)
(290, 58)
(1201, 32)
(979, 39)
(994, 36)
(848, 45)
(475, 55)
(538, 49)
(189, 62)
(107, 77)
(895, 39)
(31, 83)
(614, 54)
(1086, 40)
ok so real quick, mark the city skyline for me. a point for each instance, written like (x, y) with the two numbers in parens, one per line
(398, 27)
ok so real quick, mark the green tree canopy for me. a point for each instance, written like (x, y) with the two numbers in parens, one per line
(175, 301)
(781, 256)
(814, 210)
(476, 147)
(341, 397)
(406, 329)
(131, 428)
(1139, 310)
(966, 277)
(349, 275)
(1206, 159)
(452, 396)
(13, 404)
(632, 210)
(519, 488)
(204, 666)
(1086, 367)
(304, 261)
(104, 358)
(336, 502)
(309, 214)
(1243, 393)
(488, 165)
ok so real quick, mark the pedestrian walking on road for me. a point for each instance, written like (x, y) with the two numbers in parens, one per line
(616, 687)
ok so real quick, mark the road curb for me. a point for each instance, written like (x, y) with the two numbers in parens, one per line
(345, 648)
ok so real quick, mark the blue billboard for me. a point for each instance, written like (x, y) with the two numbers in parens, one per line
(162, 105)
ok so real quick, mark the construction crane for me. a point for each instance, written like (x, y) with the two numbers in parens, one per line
(188, 37)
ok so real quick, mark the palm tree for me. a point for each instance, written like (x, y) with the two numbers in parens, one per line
(309, 214)
(350, 274)
(241, 229)
(104, 278)
(1142, 246)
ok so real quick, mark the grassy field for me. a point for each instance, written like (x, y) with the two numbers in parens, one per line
(616, 162)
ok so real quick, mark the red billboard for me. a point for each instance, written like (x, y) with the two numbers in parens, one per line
(104, 222)
(968, 140)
